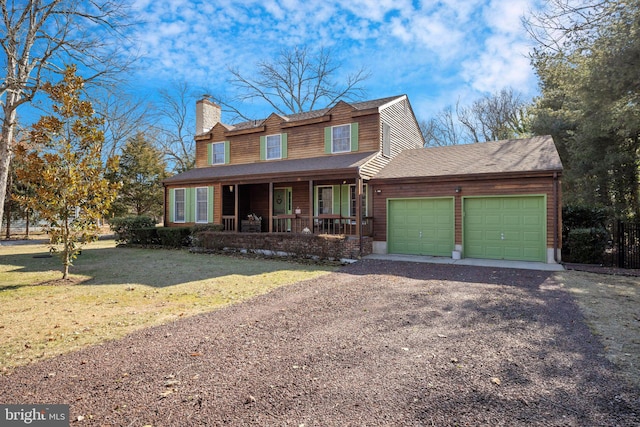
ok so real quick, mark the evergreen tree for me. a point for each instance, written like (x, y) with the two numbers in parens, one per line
(142, 169)
(590, 103)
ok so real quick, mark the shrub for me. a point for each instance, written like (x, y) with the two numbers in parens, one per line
(198, 228)
(582, 217)
(145, 236)
(587, 245)
(123, 226)
(174, 237)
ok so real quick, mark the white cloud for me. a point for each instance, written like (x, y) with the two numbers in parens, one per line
(430, 50)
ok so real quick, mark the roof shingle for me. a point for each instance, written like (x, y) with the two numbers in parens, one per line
(306, 167)
(513, 155)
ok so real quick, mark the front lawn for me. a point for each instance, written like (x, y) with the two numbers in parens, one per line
(115, 291)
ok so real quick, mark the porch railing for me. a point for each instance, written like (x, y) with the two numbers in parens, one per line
(321, 224)
(229, 222)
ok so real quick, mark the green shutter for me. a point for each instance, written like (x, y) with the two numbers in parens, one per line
(263, 147)
(354, 136)
(227, 155)
(210, 205)
(327, 140)
(284, 145)
(172, 206)
(336, 199)
(209, 153)
(344, 200)
(190, 205)
(315, 201)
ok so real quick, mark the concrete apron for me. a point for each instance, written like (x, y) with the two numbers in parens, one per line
(525, 265)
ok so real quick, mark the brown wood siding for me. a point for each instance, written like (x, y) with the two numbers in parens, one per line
(303, 141)
(405, 132)
(217, 134)
(496, 187)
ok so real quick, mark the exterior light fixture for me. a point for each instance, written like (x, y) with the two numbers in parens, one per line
(458, 189)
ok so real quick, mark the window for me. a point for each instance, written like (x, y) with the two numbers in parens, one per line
(386, 140)
(341, 139)
(179, 205)
(353, 200)
(274, 147)
(202, 204)
(325, 200)
(217, 153)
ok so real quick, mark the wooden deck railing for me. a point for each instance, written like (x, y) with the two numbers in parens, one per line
(321, 224)
(229, 222)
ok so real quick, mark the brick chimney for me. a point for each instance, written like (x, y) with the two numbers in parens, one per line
(207, 115)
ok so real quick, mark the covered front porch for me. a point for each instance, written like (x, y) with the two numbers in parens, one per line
(324, 206)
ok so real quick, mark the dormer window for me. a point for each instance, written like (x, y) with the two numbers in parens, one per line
(219, 153)
(341, 139)
(273, 147)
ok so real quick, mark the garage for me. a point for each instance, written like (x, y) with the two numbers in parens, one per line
(510, 228)
(421, 226)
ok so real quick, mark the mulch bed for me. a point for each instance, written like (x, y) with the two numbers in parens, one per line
(376, 343)
(601, 269)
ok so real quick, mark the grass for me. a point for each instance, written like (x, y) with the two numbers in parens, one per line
(115, 291)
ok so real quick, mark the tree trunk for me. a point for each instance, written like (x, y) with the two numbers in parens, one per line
(8, 227)
(6, 141)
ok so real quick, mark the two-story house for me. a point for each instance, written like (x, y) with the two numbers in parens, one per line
(360, 169)
(305, 171)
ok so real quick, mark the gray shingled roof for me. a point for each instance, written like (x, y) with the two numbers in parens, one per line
(364, 105)
(513, 155)
(306, 167)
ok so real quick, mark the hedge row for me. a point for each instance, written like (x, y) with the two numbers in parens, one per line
(141, 230)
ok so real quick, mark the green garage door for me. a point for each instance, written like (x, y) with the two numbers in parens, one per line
(421, 226)
(512, 228)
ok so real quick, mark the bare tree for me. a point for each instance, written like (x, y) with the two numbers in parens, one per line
(175, 127)
(502, 115)
(124, 117)
(495, 117)
(565, 24)
(443, 129)
(38, 37)
(297, 80)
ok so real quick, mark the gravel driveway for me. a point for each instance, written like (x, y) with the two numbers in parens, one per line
(376, 343)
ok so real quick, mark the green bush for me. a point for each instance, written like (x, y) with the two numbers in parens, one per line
(123, 226)
(145, 236)
(174, 237)
(587, 245)
(198, 228)
(582, 217)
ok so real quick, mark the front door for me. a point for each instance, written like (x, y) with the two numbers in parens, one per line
(282, 206)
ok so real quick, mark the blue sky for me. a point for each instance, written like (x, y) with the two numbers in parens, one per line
(436, 52)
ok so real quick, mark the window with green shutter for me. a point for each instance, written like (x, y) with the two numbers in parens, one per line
(218, 153)
(179, 205)
(341, 139)
(273, 147)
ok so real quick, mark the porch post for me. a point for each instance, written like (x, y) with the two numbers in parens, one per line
(270, 216)
(359, 183)
(311, 225)
(235, 209)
